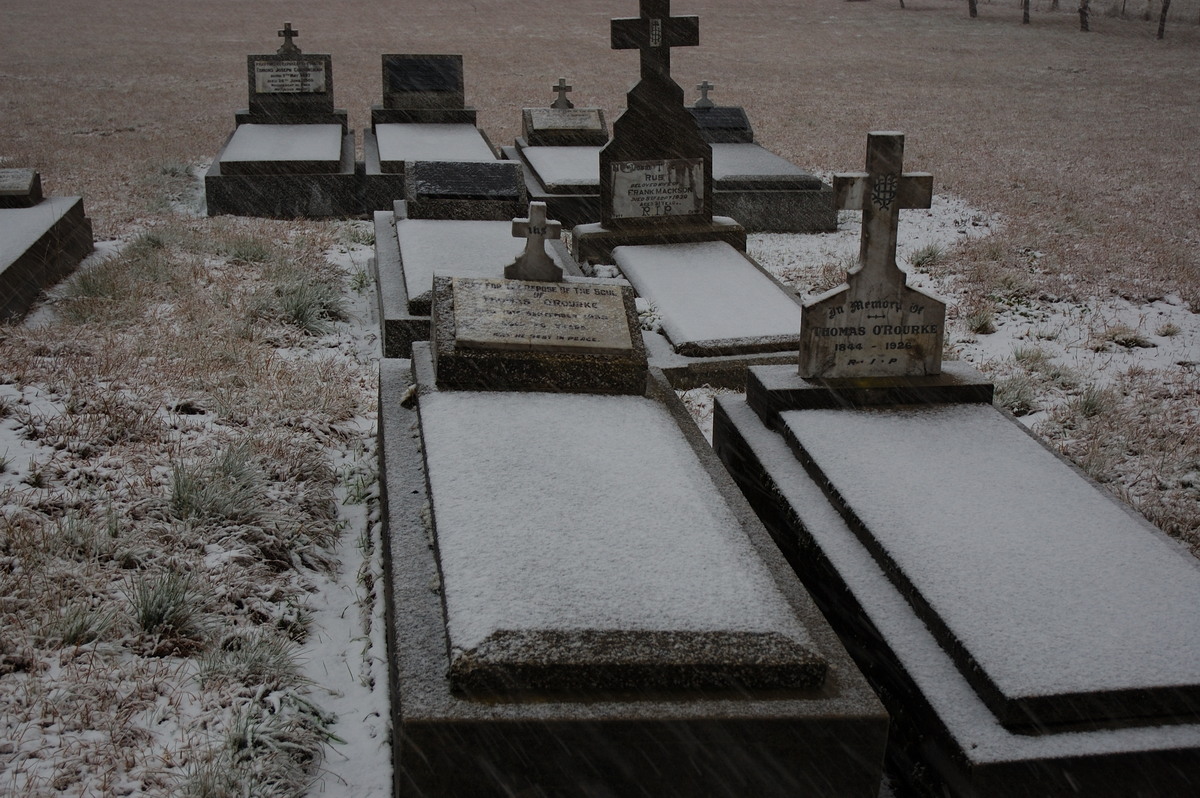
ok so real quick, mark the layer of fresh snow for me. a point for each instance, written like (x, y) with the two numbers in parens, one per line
(570, 512)
(708, 292)
(1049, 584)
(577, 167)
(258, 143)
(21, 227)
(432, 142)
(978, 733)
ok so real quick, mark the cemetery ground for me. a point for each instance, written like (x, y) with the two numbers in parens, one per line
(189, 539)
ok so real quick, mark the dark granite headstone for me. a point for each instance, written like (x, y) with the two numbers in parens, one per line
(723, 124)
(20, 188)
(423, 88)
(492, 190)
(657, 168)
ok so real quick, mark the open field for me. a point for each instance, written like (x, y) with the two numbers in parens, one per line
(239, 353)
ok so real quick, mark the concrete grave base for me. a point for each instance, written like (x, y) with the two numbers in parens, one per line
(286, 193)
(384, 174)
(816, 741)
(39, 246)
(967, 652)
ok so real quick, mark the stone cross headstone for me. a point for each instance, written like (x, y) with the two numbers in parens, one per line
(875, 325)
(534, 264)
(704, 88)
(657, 168)
(287, 34)
(561, 88)
(289, 86)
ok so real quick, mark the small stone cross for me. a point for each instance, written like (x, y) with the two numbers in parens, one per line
(704, 88)
(880, 193)
(655, 32)
(288, 46)
(561, 88)
(534, 263)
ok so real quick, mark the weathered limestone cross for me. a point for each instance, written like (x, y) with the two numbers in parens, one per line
(288, 34)
(655, 32)
(705, 87)
(561, 88)
(534, 263)
(880, 193)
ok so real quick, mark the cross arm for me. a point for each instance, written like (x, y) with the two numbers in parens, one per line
(915, 190)
(632, 33)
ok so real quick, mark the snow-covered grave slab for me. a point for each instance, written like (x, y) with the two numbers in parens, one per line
(606, 615)
(283, 149)
(712, 299)
(1053, 598)
(606, 584)
(39, 245)
(455, 249)
(751, 164)
(973, 752)
(429, 142)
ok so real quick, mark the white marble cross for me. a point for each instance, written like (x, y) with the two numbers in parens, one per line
(704, 88)
(880, 193)
(561, 88)
(534, 263)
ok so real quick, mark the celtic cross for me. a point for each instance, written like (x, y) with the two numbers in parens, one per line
(880, 193)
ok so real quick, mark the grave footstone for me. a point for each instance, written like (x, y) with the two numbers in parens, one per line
(608, 619)
(291, 153)
(1030, 634)
(42, 240)
(562, 124)
(876, 325)
(534, 263)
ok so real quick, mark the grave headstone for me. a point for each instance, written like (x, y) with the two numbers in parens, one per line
(534, 264)
(290, 87)
(423, 88)
(480, 190)
(875, 325)
(656, 175)
(562, 124)
(20, 188)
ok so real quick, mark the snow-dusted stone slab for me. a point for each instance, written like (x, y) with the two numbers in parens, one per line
(276, 149)
(429, 142)
(750, 166)
(604, 584)
(1056, 601)
(713, 300)
(566, 170)
(39, 246)
(455, 249)
(670, 743)
(944, 733)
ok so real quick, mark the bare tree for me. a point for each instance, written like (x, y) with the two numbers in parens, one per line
(1162, 18)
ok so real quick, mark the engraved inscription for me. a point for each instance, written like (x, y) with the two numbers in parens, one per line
(556, 317)
(16, 181)
(657, 188)
(289, 77)
(565, 118)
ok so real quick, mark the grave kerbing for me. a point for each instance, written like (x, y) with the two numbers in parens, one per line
(875, 325)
